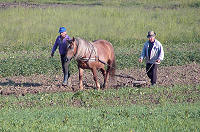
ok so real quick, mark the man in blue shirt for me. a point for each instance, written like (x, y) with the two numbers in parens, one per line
(153, 53)
(62, 43)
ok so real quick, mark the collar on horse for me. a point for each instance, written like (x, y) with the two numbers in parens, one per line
(86, 59)
(77, 45)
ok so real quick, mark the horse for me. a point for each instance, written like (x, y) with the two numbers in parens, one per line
(95, 56)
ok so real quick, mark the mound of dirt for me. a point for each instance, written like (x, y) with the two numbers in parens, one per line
(167, 76)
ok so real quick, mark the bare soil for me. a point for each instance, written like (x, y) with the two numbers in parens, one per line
(33, 5)
(167, 76)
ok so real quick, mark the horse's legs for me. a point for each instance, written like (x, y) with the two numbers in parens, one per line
(103, 71)
(94, 71)
(107, 75)
(80, 78)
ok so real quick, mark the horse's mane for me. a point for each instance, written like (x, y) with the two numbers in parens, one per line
(85, 49)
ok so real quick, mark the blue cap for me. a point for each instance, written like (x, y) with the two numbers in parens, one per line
(62, 29)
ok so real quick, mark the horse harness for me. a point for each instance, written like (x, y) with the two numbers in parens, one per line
(90, 58)
(85, 59)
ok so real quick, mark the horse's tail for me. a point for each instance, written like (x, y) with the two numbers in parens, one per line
(112, 68)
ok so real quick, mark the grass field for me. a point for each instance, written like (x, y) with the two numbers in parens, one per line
(181, 117)
(28, 34)
(158, 109)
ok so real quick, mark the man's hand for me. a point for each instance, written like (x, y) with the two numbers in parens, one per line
(52, 54)
(140, 60)
(158, 61)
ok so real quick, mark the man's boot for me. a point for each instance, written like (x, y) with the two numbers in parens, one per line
(66, 80)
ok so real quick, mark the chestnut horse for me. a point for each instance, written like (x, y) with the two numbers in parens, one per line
(94, 56)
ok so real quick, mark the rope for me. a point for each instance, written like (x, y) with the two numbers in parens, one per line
(128, 76)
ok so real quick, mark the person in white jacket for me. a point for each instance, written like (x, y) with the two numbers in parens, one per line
(153, 53)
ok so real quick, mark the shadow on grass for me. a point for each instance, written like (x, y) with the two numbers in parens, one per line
(26, 84)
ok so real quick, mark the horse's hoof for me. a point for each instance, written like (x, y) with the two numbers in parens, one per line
(98, 89)
(103, 88)
(81, 89)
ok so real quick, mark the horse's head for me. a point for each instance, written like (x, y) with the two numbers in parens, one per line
(72, 48)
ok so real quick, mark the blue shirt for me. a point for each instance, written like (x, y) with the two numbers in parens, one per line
(62, 45)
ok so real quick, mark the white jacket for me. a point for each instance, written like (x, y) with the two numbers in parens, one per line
(157, 52)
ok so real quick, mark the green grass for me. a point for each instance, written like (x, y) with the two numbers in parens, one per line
(126, 109)
(181, 117)
(110, 97)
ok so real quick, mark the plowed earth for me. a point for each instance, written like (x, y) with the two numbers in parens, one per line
(167, 76)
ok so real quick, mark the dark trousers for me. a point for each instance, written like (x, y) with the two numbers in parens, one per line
(65, 67)
(151, 70)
